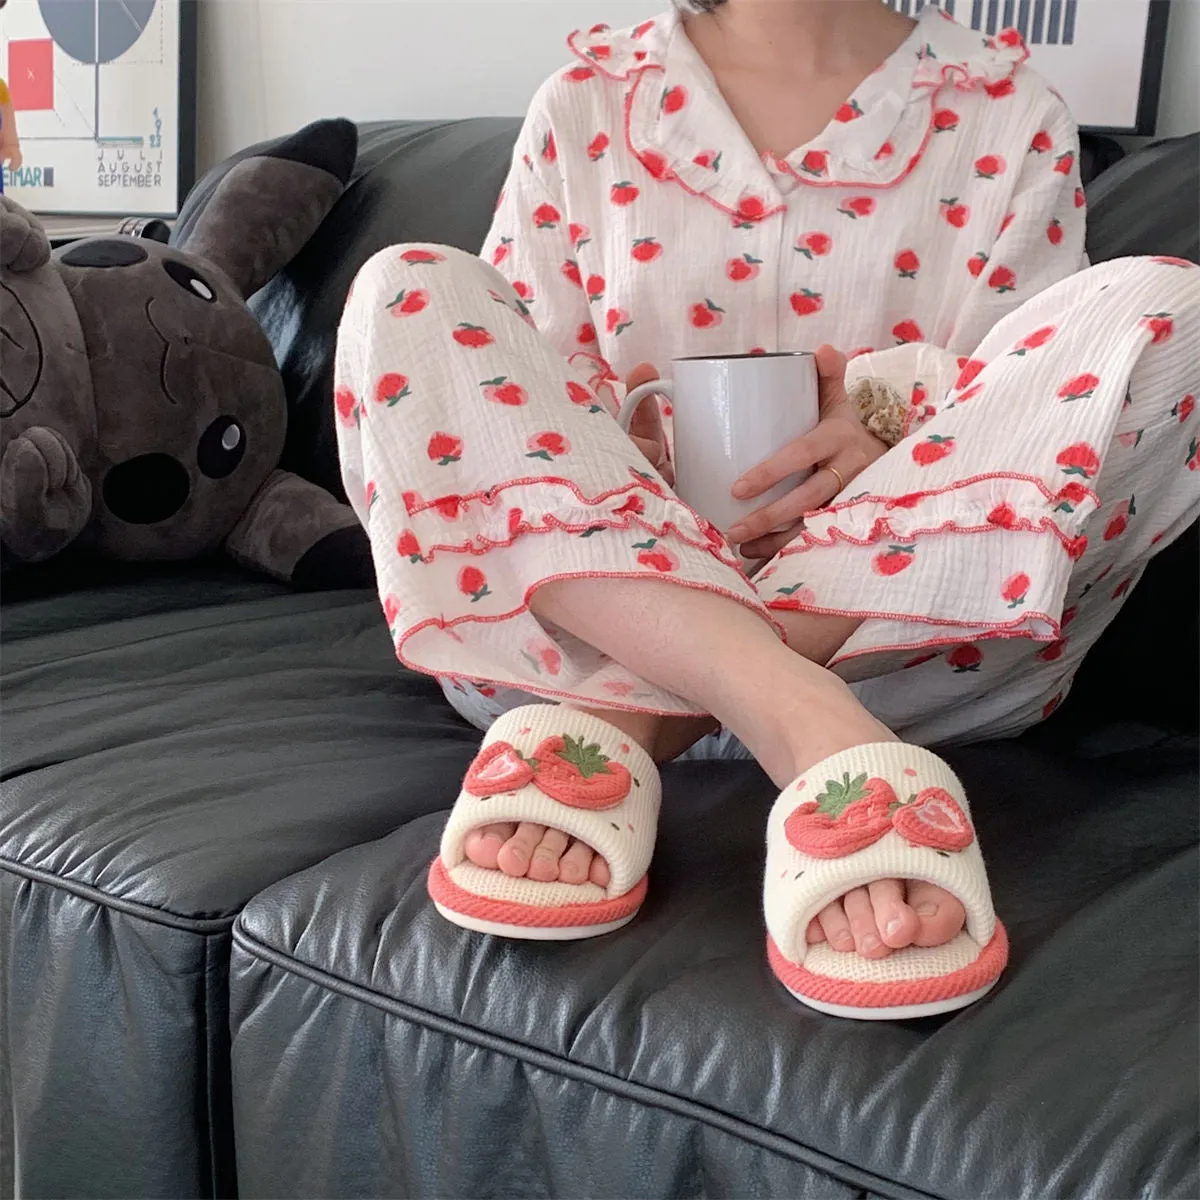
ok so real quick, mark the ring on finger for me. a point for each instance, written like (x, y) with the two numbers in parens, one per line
(841, 483)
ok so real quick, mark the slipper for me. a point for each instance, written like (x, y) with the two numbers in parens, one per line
(880, 811)
(574, 772)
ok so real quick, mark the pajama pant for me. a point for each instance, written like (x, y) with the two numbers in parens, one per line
(985, 553)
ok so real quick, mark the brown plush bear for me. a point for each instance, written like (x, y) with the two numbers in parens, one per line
(141, 411)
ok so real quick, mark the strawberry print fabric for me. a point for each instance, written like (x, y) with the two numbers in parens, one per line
(934, 230)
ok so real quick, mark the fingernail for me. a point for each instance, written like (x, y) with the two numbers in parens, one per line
(741, 488)
(870, 942)
(893, 927)
(928, 909)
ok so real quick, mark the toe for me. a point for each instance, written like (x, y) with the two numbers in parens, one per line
(483, 844)
(940, 914)
(543, 866)
(516, 853)
(814, 933)
(895, 920)
(836, 926)
(574, 865)
(599, 873)
(862, 924)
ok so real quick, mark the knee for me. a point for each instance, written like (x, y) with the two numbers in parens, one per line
(407, 266)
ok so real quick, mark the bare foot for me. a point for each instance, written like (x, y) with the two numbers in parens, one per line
(888, 915)
(535, 852)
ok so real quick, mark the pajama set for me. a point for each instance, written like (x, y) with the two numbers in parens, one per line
(934, 231)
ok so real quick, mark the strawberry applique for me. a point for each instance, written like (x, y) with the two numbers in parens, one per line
(848, 816)
(579, 774)
(935, 819)
(497, 768)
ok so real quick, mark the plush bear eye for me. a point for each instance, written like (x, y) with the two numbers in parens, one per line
(190, 281)
(222, 446)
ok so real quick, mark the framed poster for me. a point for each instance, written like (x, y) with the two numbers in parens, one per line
(1104, 56)
(103, 93)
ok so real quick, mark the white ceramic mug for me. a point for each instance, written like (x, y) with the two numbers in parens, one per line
(730, 414)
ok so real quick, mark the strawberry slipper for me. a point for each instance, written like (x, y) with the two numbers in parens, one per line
(566, 769)
(881, 811)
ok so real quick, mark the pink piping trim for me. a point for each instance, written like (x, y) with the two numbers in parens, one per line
(446, 892)
(989, 635)
(997, 627)
(984, 970)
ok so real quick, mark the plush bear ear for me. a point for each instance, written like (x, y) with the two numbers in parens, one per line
(252, 218)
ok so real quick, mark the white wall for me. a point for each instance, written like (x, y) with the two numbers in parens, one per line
(268, 66)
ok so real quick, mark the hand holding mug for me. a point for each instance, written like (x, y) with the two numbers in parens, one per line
(646, 428)
(839, 447)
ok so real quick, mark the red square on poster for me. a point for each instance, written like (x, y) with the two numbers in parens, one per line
(31, 74)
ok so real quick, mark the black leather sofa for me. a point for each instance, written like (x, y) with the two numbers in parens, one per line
(219, 971)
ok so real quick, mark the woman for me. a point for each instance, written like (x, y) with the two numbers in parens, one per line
(929, 223)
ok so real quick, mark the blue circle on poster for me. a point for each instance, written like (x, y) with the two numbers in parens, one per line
(96, 31)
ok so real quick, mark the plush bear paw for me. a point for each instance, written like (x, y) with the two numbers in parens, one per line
(24, 245)
(45, 499)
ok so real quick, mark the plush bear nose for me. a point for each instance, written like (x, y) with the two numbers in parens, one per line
(146, 489)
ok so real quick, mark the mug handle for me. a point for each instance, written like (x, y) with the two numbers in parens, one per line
(633, 401)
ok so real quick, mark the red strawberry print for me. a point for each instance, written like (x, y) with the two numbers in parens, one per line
(1160, 325)
(409, 301)
(1015, 589)
(1184, 408)
(1033, 341)
(945, 120)
(1064, 162)
(579, 774)
(1042, 143)
(653, 554)
(1011, 39)
(634, 506)
(1080, 388)
(1193, 458)
(1080, 198)
(965, 658)
(815, 162)
(546, 216)
(1079, 459)
(989, 166)
(1000, 89)
(968, 372)
(548, 446)
(849, 111)
(497, 768)
(444, 448)
(848, 816)
(907, 331)
(955, 214)
(597, 147)
(935, 819)
(549, 149)
(792, 599)
(579, 74)
(594, 288)
(655, 163)
(421, 257)
(919, 395)
(1052, 651)
(585, 335)
(706, 315)
(1119, 521)
(372, 494)
(1131, 438)
(1051, 705)
(708, 158)
(643, 29)
(523, 290)
(805, 302)
(1077, 548)
(740, 269)
(391, 388)
(391, 609)
(502, 390)
(1122, 587)
(646, 249)
(885, 151)
(857, 206)
(933, 449)
(1008, 220)
(411, 502)
(1054, 232)
(907, 264)
(472, 582)
(578, 234)
(749, 210)
(570, 272)
(501, 252)
(408, 547)
(473, 337)
(542, 656)
(1002, 279)
(814, 245)
(1069, 614)
(1069, 495)
(616, 321)
(346, 404)
(1003, 516)
(582, 396)
(920, 660)
(976, 263)
(673, 99)
(894, 560)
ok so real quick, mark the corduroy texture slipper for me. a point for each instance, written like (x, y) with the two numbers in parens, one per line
(880, 811)
(566, 769)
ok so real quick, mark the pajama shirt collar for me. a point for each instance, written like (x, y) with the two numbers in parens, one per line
(680, 127)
